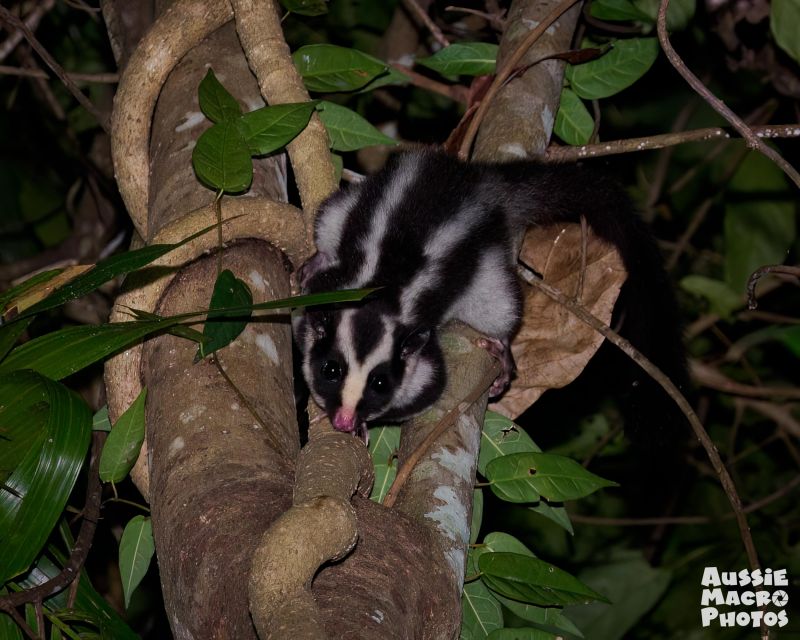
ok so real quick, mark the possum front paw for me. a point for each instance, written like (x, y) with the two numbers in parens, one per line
(501, 350)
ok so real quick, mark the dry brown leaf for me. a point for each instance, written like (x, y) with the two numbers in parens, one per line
(552, 346)
(40, 291)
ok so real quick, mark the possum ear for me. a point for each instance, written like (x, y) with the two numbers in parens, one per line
(414, 342)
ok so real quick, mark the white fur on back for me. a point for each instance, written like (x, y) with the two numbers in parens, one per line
(331, 221)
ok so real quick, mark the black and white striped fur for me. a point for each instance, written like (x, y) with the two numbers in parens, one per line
(439, 236)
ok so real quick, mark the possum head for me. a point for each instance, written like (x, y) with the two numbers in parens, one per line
(362, 365)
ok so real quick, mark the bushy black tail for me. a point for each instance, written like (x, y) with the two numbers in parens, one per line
(646, 311)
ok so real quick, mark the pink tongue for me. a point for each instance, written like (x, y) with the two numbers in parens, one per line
(344, 420)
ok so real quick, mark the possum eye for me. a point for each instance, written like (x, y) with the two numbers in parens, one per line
(332, 371)
(379, 383)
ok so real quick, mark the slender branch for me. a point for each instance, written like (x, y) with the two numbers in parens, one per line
(656, 374)
(505, 73)
(660, 141)
(423, 16)
(102, 78)
(497, 20)
(649, 522)
(753, 141)
(444, 423)
(713, 379)
(455, 92)
(11, 19)
(72, 569)
(760, 273)
(32, 21)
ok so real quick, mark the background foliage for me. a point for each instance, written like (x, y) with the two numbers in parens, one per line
(719, 211)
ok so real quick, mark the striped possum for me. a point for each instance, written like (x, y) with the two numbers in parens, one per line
(440, 237)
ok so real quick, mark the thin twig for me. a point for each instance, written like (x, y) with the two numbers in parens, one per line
(753, 141)
(714, 379)
(455, 92)
(13, 20)
(646, 143)
(503, 74)
(785, 270)
(656, 374)
(495, 19)
(444, 423)
(423, 16)
(32, 21)
(80, 550)
(100, 78)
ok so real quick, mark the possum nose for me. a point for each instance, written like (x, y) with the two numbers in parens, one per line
(344, 420)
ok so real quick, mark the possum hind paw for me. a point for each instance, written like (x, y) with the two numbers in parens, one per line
(501, 350)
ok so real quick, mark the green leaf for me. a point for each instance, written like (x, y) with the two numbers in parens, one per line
(521, 633)
(326, 68)
(347, 130)
(519, 476)
(215, 102)
(383, 444)
(623, 65)
(124, 442)
(463, 58)
(721, 298)
(306, 7)
(500, 437)
(784, 22)
(221, 158)
(574, 124)
(527, 579)
(617, 10)
(757, 233)
(477, 515)
(10, 333)
(390, 77)
(271, 128)
(547, 619)
(100, 420)
(480, 611)
(558, 515)
(136, 548)
(633, 586)
(15, 292)
(36, 491)
(229, 291)
(679, 13)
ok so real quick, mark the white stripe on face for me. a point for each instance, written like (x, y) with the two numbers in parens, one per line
(357, 372)
(418, 375)
(393, 195)
(331, 221)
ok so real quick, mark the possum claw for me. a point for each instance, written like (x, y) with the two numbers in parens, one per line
(501, 350)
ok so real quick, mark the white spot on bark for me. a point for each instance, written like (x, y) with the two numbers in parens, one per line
(267, 345)
(458, 462)
(190, 120)
(548, 120)
(451, 519)
(234, 406)
(513, 149)
(258, 280)
(377, 616)
(176, 445)
(193, 413)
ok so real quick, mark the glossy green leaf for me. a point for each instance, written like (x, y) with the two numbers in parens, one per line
(477, 515)
(519, 476)
(480, 611)
(784, 23)
(383, 444)
(527, 579)
(623, 65)
(463, 58)
(557, 514)
(136, 549)
(721, 298)
(215, 102)
(521, 633)
(347, 130)
(63, 352)
(574, 124)
(271, 128)
(757, 233)
(228, 292)
(221, 158)
(495, 542)
(124, 442)
(547, 619)
(14, 292)
(306, 7)
(327, 68)
(391, 77)
(679, 13)
(100, 420)
(10, 333)
(616, 10)
(36, 491)
(107, 270)
(500, 437)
